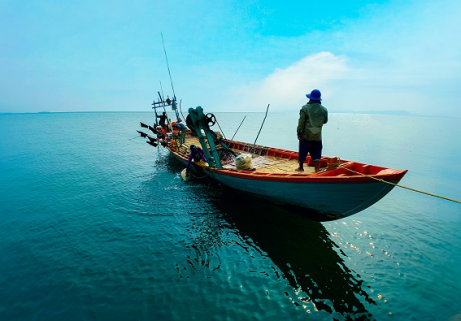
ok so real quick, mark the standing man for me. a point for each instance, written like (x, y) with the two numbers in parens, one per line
(312, 116)
(163, 119)
(182, 130)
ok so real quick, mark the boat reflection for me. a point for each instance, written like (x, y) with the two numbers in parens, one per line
(302, 249)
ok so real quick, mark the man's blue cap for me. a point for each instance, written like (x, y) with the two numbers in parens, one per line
(314, 95)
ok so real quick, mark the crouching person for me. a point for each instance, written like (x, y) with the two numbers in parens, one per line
(196, 155)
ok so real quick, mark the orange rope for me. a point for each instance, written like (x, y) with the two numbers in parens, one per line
(405, 187)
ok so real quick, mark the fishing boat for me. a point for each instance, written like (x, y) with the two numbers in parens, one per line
(339, 189)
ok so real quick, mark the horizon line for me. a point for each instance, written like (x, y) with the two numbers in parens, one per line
(384, 112)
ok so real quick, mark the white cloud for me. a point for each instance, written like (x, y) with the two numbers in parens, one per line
(393, 58)
(285, 89)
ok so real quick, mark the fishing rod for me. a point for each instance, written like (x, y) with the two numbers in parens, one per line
(168, 66)
(174, 103)
(161, 88)
(180, 103)
(262, 124)
(238, 128)
(137, 136)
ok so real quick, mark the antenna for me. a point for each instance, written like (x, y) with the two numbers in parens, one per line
(168, 66)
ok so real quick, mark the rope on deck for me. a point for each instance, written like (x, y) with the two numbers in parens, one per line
(405, 187)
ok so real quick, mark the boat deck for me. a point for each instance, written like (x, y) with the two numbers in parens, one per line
(262, 164)
(279, 164)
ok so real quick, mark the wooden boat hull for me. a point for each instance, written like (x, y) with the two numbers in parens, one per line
(333, 198)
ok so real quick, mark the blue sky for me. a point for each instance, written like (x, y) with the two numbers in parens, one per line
(231, 55)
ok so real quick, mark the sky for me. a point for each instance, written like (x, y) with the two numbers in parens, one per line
(399, 57)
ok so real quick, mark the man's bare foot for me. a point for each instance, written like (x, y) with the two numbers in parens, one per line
(299, 169)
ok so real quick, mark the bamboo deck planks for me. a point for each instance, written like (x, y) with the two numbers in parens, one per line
(261, 164)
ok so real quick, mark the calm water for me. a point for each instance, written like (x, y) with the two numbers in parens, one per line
(96, 226)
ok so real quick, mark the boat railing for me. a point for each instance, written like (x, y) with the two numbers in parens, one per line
(349, 168)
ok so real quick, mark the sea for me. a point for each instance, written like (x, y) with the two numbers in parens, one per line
(95, 224)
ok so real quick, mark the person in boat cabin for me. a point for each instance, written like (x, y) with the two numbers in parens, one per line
(196, 155)
(182, 130)
(312, 117)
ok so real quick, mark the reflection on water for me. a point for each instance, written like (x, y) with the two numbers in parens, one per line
(300, 248)
(303, 251)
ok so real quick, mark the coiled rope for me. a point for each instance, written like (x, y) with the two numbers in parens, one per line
(405, 187)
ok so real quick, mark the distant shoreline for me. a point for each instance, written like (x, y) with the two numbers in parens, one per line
(382, 113)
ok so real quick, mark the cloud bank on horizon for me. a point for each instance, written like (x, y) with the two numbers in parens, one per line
(285, 89)
(231, 56)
